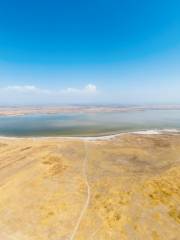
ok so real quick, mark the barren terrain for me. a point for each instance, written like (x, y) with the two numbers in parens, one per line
(125, 188)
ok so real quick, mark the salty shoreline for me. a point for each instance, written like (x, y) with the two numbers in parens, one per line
(94, 138)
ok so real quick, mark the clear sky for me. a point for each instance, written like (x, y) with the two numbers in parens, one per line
(98, 51)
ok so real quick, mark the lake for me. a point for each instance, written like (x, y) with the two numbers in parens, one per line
(91, 124)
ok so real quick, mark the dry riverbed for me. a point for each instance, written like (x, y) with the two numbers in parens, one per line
(124, 188)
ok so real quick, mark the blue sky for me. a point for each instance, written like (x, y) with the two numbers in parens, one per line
(89, 51)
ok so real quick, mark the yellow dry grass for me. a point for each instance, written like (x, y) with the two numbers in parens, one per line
(134, 188)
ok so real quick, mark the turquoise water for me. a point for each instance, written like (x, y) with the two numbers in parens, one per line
(88, 124)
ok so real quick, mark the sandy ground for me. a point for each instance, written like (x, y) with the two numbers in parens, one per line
(120, 188)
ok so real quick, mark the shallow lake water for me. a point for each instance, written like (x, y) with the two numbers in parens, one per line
(91, 124)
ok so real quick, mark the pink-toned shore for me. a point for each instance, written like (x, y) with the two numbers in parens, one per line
(18, 111)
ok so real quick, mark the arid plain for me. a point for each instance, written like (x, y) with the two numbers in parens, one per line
(124, 188)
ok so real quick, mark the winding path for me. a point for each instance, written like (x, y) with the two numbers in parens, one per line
(84, 170)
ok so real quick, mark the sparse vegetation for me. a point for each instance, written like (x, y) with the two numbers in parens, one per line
(134, 181)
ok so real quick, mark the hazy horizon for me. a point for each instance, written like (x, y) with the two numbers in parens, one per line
(123, 105)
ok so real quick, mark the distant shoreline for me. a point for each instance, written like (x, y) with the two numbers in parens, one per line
(22, 111)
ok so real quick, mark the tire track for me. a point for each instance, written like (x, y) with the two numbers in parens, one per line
(84, 170)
